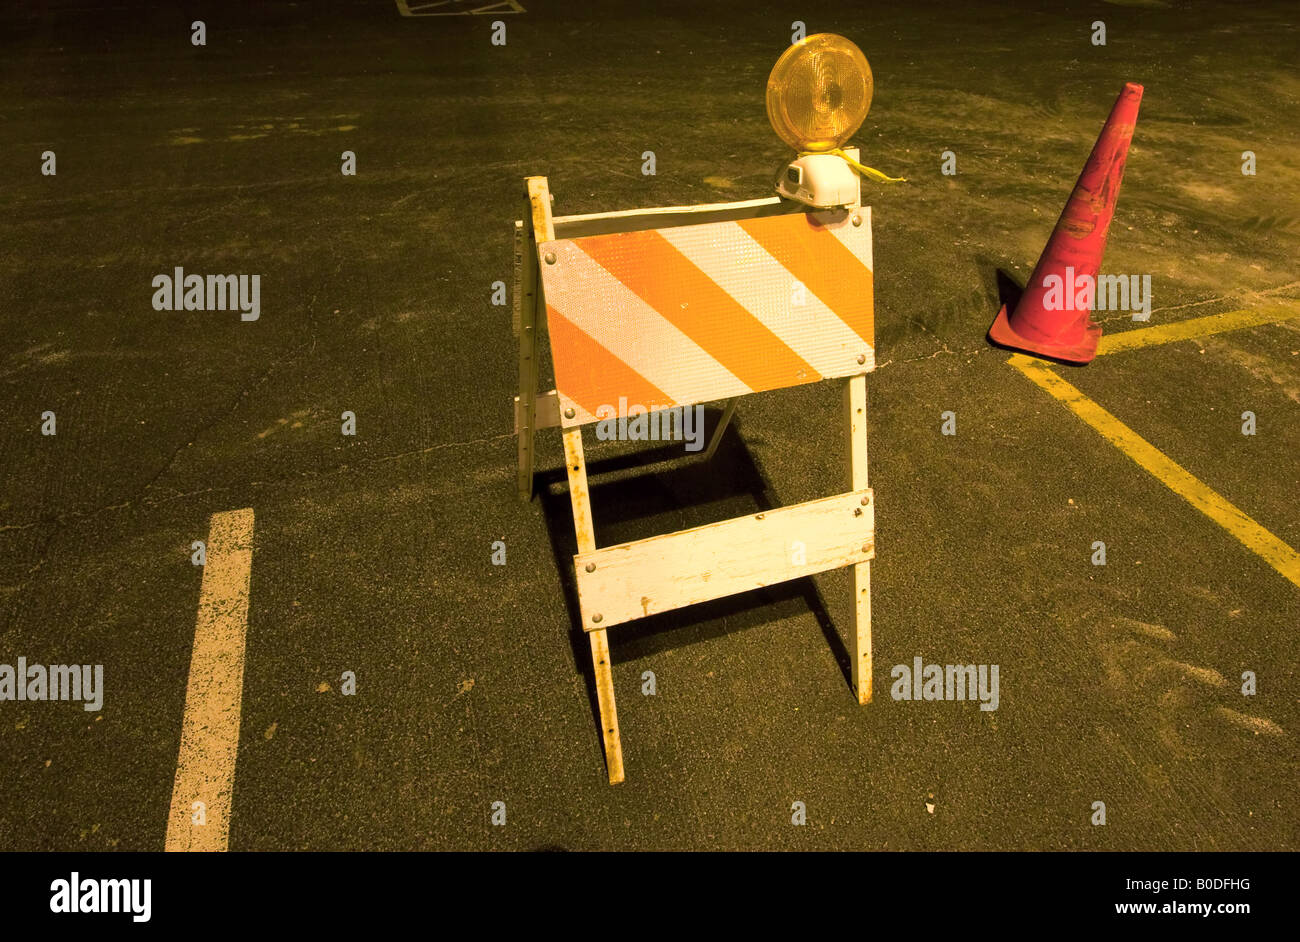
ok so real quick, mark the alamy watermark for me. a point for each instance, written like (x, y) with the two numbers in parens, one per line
(84, 895)
(923, 681)
(181, 292)
(83, 682)
(1075, 292)
(638, 423)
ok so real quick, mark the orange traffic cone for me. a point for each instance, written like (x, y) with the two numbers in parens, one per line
(1052, 318)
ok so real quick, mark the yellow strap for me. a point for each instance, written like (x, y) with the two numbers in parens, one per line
(863, 169)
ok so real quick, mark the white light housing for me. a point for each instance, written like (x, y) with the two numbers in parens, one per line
(822, 181)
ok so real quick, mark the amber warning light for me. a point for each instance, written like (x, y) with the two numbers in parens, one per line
(818, 95)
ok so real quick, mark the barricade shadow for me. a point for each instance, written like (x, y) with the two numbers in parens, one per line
(630, 490)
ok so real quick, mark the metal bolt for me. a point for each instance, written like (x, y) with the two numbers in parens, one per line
(866, 548)
(857, 511)
(550, 258)
(591, 567)
(857, 220)
(597, 618)
(568, 413)
(862, 358)
(866, 499)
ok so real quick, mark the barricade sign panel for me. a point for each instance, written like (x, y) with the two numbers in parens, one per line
(677, 316)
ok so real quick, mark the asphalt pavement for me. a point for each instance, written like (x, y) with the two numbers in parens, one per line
(373, 552)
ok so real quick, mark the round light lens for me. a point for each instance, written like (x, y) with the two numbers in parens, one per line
(819, 92)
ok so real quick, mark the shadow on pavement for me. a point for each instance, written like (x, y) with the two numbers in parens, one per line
(659, 490)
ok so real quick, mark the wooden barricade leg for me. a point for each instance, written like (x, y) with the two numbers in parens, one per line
(536, 228)
(576, 466)
(722, 428)
(525, 318)
(539, 228)
(855, 408)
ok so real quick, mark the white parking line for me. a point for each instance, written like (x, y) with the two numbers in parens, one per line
(457, 7)
(205, 769)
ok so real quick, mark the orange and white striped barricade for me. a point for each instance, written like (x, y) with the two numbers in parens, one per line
(680, 306)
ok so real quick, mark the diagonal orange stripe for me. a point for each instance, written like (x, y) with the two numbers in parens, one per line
(590, 375)
(823, 263)
(657, 272)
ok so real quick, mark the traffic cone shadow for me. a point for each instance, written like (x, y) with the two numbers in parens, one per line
(1010, 290)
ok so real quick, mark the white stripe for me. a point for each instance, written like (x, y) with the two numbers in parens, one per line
(580, 415)
(635, 333)
(857, 239)
(761, 285)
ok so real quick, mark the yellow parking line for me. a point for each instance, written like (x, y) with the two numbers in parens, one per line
(205, 769)
(1253, 536)
(1197, 327)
